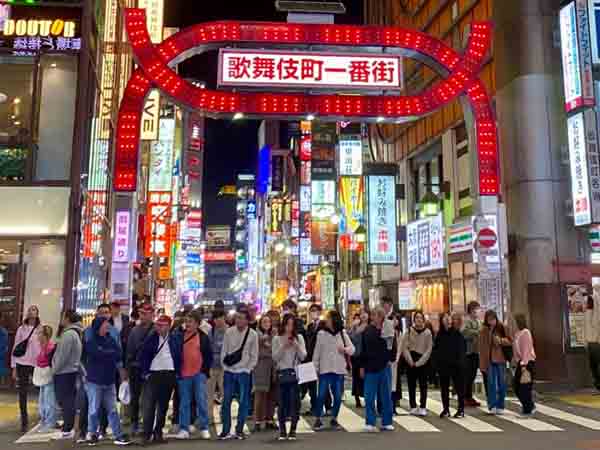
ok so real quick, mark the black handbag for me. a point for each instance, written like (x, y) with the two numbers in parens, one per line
(287, 376)
(232, 359)
(507, 351)
(21, 348)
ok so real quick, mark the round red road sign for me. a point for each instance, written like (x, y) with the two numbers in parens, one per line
(487, 238)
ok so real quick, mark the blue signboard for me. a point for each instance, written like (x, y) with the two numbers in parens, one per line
(193, 258)
(382, 242)
(251, 209)
(264, 170)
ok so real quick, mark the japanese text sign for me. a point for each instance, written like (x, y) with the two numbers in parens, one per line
(381, 194)
(425, 245)
(161, 157)
(121, 244)
(158, 233)
(308, 69)
(350, 155)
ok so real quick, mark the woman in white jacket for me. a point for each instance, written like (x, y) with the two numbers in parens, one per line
(332, 360)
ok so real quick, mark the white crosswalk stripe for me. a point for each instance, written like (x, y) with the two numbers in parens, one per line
(350, 421)
(414, 424)
(567, 417)
(529, 423)
(469, 422)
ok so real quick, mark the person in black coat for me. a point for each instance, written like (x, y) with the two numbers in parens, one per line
(449, 353)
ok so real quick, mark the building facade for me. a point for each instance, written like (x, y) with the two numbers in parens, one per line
(541, 250)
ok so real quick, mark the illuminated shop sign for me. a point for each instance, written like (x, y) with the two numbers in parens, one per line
(121, 249)
(351, 203)
(158, 232)
(307, 69)
(381, 194)
(161, 157)
(350, 155)
(41, 28)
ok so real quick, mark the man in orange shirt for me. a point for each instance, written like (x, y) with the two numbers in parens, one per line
(196, 360)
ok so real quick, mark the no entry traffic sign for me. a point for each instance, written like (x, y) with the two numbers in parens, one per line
(487, 238)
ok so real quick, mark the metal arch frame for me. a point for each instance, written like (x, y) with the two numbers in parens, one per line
(459, 79)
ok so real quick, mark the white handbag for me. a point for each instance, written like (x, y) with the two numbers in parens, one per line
(42, 376)
(306, 373)
(125, 393)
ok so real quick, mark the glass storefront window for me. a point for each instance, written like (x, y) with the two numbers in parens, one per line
(57, 87)
(16, 99)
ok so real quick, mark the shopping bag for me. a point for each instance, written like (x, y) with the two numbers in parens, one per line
(306, 373)
(125, 393)
(42, 376)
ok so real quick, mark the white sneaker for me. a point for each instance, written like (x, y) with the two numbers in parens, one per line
(388, 428)
(414, 411)
(182, 435)
(205, 434)
(422, 412)
(193, 429)
(65, 436)
(499, 411)
(174, 430)
(491, 411)
(370, 429)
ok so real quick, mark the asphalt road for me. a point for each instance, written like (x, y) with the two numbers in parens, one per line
(557, 426)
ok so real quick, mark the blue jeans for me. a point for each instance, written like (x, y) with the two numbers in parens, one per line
(47, 405)
(335, 382)
(289, 402)
(235, 383)
(106, 397)
(377, 385)
(496, 385)
(195, 385)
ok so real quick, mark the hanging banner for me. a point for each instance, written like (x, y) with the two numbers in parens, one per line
(351, 203)
(350, 155)
(382, 240)
(323, 237)
(161, 158)
(327, 291)
(322, 199)
(425, 244)
(150, 117)
(580, 187)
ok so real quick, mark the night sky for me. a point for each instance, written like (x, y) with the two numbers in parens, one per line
(231, 147)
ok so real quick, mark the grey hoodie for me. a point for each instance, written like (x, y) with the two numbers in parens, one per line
(67, 357)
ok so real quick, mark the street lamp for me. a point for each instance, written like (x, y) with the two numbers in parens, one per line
(429, 204)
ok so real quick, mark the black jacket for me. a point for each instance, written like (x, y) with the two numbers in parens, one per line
(375, 355)
(310, 338)
(449, 349)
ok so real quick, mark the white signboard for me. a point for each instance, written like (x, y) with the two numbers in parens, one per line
(576, 55)
(306, 256)
(154, 18)
(309, 69)
(580, 191)
(425, 245)
(161, 158)
(305, 198)
(150, 117)
(350, 156)
(381, 225)
(218, 237)
(407, 295)
(121, 247)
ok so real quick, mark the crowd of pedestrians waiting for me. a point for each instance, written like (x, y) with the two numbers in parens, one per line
(151, 359)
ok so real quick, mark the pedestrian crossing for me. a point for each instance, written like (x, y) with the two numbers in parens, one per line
(547, 420)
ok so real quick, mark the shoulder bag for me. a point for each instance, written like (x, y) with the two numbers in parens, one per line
(346, 357)
(21, 348)
(233, 358)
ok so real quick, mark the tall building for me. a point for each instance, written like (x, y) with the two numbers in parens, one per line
(50, 108)
(542, 250)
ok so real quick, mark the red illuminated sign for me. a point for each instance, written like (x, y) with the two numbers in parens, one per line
(224, 256)
(461, 78)
(242, 67)
(158, 232)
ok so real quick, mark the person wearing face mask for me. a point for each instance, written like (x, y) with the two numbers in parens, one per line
(24, 356)
(493, 342)
(314, 326)
(418, 345)
(449, 356)
(359, 324)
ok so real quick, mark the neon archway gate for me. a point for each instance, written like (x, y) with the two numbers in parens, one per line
(459, 72)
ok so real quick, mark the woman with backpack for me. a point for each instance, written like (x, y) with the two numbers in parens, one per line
(495, 349)
(24, 358)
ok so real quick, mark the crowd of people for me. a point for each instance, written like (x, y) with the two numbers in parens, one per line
(150, 360)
